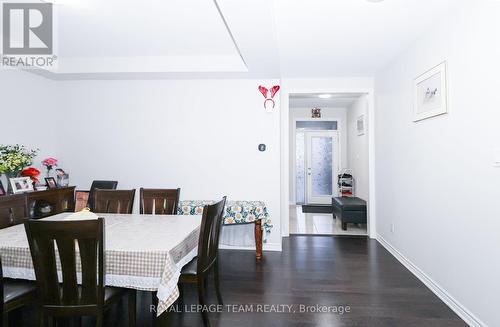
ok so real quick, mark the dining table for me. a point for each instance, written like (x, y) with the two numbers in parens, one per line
(142, 252)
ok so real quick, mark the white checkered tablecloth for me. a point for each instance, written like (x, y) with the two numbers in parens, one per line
(143, 252)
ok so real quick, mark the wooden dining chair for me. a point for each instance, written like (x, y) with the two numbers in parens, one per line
(14, 294)
(198, 269)
(13, 210)
(66, 298)
(159, 201)
(114, 201)
(101, 185)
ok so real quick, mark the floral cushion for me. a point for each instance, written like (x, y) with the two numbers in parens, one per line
(236, 212)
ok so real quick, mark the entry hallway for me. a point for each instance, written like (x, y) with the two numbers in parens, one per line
(338, 271)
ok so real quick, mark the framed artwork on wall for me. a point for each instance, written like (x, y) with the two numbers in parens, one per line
(21, 185)
(431, 93)
(316, 113)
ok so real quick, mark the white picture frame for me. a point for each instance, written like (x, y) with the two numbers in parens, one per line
(360, 125)
(21, 185)
(431, 93)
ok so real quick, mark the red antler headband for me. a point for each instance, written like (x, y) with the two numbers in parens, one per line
(265, 91)
(274, 90)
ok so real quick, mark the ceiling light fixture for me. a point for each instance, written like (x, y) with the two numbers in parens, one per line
(325, 96)
(374, 0)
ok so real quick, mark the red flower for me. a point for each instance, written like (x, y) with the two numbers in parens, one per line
(49, 162)
(31, 172)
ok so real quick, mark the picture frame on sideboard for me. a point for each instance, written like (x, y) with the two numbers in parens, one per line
(21, 185)
(51, 183)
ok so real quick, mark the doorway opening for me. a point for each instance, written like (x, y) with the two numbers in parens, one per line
(326, 145)
(316, 159)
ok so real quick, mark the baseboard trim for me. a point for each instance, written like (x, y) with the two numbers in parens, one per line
(451, 302)
(276, 247)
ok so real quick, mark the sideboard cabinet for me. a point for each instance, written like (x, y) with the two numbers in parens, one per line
(50, 202)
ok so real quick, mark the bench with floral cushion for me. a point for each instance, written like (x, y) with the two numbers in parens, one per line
(236, 213)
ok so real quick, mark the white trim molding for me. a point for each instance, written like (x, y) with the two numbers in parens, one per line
(440, 292)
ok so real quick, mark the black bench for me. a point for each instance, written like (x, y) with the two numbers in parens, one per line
(349, 210)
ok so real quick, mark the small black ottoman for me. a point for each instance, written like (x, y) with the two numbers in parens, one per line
(349, 210)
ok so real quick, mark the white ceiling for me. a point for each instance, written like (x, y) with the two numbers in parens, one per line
(149, 36)
(117, 28)
(228, 38)
(321, 38)
(312, 100)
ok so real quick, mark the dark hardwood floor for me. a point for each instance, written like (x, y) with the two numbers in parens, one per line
(330, 271)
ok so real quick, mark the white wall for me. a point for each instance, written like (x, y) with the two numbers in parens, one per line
(199, 135)
(27, 114)
(326, 113)
(435, 179)
(357, 147)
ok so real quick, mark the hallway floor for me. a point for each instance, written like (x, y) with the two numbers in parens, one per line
(320, 224)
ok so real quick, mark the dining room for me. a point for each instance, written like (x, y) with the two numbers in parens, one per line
(151, 171)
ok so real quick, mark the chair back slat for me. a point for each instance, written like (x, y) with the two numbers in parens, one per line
(67, 257)
(80, 244)
(114, 201)
(46, 269)
(13, 210)
(159, 201)
(208, 244)
(88, 249)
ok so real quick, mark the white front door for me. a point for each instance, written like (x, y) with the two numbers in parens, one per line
(322, 166)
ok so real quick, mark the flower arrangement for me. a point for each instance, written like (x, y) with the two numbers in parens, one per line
(49, 163)
(31, 172)
(13, 158)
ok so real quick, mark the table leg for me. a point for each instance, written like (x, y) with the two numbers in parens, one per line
(258, 239)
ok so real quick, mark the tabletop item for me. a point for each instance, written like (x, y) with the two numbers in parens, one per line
(51, 183)
(21, 185)
(142, 252)
(32, 173)
(62, 180)
(49, 163)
